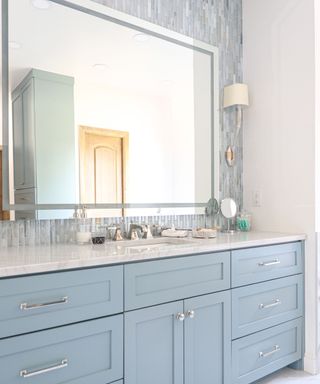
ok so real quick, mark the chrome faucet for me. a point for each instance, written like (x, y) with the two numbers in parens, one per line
(134, 231)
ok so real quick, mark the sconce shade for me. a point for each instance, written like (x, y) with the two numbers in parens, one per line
(235, 94)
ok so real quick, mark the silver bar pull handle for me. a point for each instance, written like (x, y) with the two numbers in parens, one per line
(28, 307)
(25, 373)
(268, 263)
(276, 349)
(273, 304)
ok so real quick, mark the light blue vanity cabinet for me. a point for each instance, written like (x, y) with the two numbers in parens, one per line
(176, 320)
(266, 304)
(154, 345)
(23, 136)
(83, 353)
(160, 281)
(267, 310)
(253, 265)
(184, 342)
(207, 338)
(44, 141)
(262, 353)
(38, 302)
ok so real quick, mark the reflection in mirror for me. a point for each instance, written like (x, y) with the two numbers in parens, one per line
(103, 114)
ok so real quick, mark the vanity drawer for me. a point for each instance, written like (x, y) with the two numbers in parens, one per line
(254, 265)
(264, 352)
(25, 215)
(25, 196)
(88, 352)
(264, 305)
(43, 301)
(161, 281)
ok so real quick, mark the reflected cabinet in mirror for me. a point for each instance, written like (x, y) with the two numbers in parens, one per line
(106, 111)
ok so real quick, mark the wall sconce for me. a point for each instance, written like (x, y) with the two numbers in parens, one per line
(235, 95)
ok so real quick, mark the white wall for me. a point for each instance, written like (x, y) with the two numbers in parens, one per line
(161, 138)
(317, 146)
(279, 130)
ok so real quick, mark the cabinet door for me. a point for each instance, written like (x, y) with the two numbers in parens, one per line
(28, 131)
(154, 345)
(18, 143)
(23, 138)
(207, 339)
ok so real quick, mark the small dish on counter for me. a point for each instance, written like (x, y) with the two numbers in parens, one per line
(174, 233)
(204, 233)
(98, 238)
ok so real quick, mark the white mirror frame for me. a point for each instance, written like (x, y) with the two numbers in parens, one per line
(106, 13)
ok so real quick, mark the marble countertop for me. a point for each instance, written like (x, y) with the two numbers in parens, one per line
(30, 260)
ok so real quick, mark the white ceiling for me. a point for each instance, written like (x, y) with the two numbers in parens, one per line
(70, 42)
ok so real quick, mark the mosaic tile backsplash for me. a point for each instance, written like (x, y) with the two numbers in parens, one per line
(217, 22)
(22, 233)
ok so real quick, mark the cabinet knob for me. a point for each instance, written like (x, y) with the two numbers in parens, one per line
(180, 316)
(190, 314)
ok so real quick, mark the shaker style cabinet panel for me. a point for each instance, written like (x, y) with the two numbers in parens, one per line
(23, 138)
(88, 352)
(262, 353)
(264, 305)
(37, 302)
(154, 345)
(180, 343)
(207, 339)
(160, 281)
(253, 265)
(18, 142)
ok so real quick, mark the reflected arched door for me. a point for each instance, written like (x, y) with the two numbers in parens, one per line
(102, 169)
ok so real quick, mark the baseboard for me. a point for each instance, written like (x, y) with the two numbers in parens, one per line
(311, 365)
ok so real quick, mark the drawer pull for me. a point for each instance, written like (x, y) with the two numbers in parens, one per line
(268, 263)
(180, 316)
(28, 307)
(276, 349)
(274, 304)
(25, 373)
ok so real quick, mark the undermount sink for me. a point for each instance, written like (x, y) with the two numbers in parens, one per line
(149, 244)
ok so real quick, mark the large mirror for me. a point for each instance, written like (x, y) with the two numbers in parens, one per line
(105, 111)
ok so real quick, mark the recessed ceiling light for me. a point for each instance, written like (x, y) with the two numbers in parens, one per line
(141, 37)
(100, 67)
(14, 45)
(41, 4)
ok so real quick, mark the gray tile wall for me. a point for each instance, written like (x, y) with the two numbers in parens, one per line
(22, 233)
(217, 22)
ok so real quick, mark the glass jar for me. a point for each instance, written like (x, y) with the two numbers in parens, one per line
(244, 222)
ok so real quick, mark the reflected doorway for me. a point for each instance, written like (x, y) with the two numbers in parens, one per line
(103, 165)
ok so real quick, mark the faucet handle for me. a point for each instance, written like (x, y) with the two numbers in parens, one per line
(134, 234)
(117, 235)
(146, 231)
